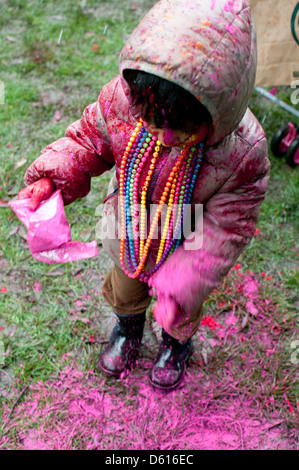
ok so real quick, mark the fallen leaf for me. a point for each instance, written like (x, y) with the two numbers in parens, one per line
(14, 230)
(245, 320)
(12, 39)
(57, 272)
(20, 163)
(22, 232)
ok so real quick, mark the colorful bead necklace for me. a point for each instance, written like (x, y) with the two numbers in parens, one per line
(178, 190)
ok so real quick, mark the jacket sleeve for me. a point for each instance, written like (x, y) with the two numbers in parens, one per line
(229, 221)
(84, 152)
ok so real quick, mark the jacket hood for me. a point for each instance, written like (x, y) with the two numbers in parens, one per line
(207, 47)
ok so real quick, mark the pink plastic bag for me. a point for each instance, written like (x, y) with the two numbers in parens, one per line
(49, 234)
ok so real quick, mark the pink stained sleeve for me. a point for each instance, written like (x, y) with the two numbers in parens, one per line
(229, 221)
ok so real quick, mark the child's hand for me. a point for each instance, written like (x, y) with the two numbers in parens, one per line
(37, 192)
(166, 313)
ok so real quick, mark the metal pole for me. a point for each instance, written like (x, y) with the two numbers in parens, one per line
(280, 103)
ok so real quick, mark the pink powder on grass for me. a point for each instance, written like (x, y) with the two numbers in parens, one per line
(82, 411)
(250, 290)
(250, 287)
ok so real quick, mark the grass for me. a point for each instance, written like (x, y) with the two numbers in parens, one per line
(55, 57)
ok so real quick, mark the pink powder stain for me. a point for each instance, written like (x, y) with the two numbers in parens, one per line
(215, 80)
(77, 404)
(231, 319)
(250, 287)
(30, 442)
(230, 29)
(165, 313)
(251, 308)
(76, 410)
(229, 6)
(169, 138)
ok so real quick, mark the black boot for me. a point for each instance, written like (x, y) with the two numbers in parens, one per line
(123, 349)
(170, 364)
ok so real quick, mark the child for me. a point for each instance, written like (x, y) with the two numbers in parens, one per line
(176, 127)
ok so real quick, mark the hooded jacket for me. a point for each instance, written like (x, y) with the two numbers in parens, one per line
(207, 47)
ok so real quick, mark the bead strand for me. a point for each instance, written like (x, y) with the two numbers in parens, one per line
(142, 158)
(131, 219)
(177, 193)
(144, 194)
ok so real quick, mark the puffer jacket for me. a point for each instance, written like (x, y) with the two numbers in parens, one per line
(209, 48)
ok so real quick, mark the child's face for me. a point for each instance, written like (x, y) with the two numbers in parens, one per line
(177, 138)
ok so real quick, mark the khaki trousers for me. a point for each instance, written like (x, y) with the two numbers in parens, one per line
(129, 296)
